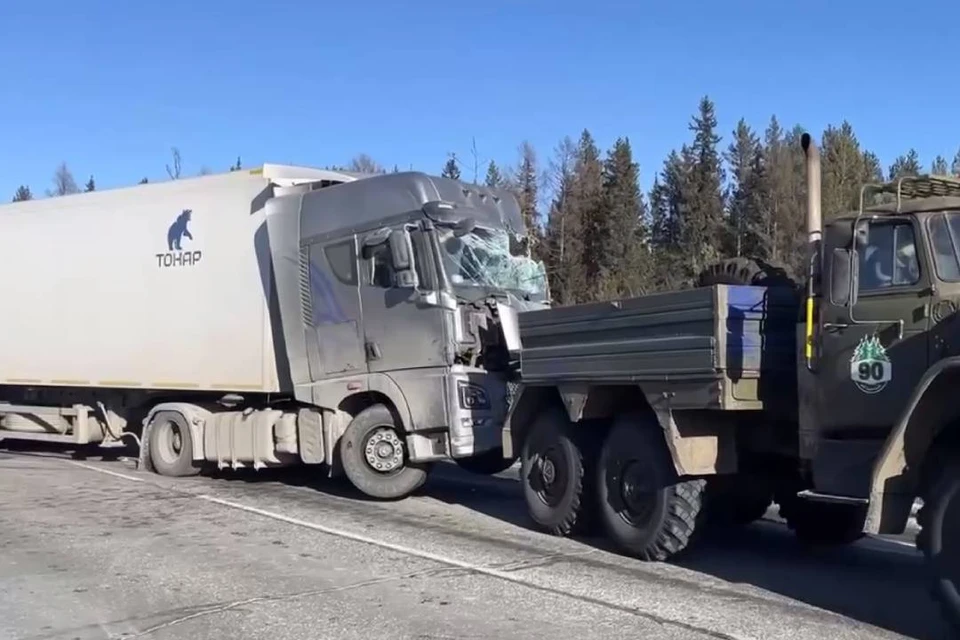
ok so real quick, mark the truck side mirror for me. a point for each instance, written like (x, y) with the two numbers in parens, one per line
(840, 277)
(401, 258)
(401, 250)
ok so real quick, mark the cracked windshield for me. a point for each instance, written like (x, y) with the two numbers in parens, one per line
(479, 321)
(483, 258)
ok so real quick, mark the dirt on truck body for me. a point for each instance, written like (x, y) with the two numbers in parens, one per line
(656, 416)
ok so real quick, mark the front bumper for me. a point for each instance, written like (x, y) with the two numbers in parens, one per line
(477, 408)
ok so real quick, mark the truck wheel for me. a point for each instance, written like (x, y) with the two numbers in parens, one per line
(939, 538)
(487, 463)
(374, 457)
(824, 523)
(555, 469)
(171, 445)
(744, 271)
(644, 506)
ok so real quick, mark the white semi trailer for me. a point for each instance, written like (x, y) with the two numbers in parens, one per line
(275, 316)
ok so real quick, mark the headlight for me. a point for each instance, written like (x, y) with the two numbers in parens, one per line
(472, 396)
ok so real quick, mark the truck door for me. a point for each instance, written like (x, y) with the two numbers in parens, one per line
(401, 330)
(335, 347)
(867, 369)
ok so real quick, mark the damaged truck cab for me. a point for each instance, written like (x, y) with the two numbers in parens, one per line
(408, 287)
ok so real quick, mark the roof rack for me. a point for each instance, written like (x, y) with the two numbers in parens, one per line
(912, 188)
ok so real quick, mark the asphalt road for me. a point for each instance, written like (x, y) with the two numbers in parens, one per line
(95, 549)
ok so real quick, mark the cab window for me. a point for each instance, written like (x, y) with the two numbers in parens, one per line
(945, 238)
(887, 253)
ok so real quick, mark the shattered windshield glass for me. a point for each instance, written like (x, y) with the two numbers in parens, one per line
(482, 258)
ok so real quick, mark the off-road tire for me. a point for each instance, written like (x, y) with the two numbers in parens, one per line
(745, 271)
(573, 449)
(675, 507)
(164, 427)
(373, 483)
(942, 490)
(488, 463)
(817, 523)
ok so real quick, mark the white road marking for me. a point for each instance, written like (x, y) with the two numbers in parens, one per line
(426, 555)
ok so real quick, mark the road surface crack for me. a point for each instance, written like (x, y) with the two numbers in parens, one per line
(228, 606)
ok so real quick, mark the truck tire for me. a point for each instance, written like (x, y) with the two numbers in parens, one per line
(556, 464)
(374, 457)
(488, 463)
(170, 445)
(744, 271)
(939, 537)
(646, 509)
(823, 523)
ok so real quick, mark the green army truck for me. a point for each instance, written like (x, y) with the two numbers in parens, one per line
(833, 397)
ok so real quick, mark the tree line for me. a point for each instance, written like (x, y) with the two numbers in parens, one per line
(601, 236)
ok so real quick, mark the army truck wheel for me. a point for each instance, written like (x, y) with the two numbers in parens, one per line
(939, 537)
(170, 445)
(556, 463)
(487, 463)
(644, 506)
(824, 523)
(374, 457)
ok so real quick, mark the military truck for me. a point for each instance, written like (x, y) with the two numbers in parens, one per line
(277, 316)
(832, 397)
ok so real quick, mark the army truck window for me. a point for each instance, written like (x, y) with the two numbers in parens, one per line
(887, 253)
(944, 231)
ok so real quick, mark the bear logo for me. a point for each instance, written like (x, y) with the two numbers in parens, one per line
(178, 230)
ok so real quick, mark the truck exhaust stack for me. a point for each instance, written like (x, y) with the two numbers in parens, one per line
(814, 234)
(814, 220)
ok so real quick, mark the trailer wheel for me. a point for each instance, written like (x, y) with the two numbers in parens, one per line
(556, 463)
(487, 463)
(646, 509)
(171, 445)
(939, 538)
(374, 457)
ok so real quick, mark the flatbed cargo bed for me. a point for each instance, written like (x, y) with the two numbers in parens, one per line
(725, 346)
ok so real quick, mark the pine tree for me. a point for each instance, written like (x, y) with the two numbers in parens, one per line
(451, 169)
(939, 166)
(742, 157)
(525, 186)
(494, 179)
(701, 223)
(90, 186)
(236, 166)
(906, 165)
(144, 180)
(587, 201)
(623, 225)
(955, 165)
(23, 193)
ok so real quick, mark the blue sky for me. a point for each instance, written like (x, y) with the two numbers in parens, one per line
(109, 87)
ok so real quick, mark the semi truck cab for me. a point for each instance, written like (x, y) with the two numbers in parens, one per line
(398, 296)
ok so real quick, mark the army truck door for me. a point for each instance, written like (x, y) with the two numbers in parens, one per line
(874, 351)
